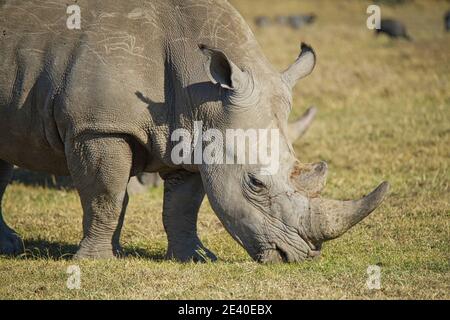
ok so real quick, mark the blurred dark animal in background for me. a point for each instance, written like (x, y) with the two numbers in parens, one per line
(294, 21)
(282, 20)
(392, 2)
(262, 21)
(299, 21)
(447, 21)
(393, 28)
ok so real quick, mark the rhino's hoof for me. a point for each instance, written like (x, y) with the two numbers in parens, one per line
(198, 254)
(203, 255)
(10, 243)
(93, 253)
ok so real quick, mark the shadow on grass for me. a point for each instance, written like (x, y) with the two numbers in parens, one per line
(37, 179)
(153, 255)
(43, 249)
(38, 249)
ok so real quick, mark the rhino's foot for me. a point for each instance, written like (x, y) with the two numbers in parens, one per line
(195, 252)
(89, 251)
(10, 242)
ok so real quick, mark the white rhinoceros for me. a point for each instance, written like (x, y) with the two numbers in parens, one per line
(101, 103)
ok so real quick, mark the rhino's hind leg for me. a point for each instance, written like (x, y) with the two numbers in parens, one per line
(183, 195)
(100, 168)
(10, 242)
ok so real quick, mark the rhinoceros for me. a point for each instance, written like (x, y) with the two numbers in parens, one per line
(100, 102)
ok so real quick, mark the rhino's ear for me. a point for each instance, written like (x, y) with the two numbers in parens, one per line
(222, 70)
(302, 67)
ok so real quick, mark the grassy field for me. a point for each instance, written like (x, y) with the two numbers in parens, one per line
(384, 115)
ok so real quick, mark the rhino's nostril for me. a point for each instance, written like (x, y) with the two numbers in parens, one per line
(321, 167)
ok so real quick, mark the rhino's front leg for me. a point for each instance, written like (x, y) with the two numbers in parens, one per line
(183, 195)
(100, 168)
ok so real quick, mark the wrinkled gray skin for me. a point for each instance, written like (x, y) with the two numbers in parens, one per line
(145, 180)
(101, 104)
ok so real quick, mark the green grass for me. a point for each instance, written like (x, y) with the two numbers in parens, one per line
(384, 115)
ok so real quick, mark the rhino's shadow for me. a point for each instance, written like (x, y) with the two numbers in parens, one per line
(44, 249)
(39, 179)
(37, 249)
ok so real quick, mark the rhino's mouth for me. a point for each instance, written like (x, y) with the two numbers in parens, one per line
(282, 254)
(272, 255)
(277, 254)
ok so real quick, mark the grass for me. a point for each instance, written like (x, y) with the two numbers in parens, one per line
(384, 115)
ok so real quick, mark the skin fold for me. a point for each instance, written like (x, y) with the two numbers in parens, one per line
(100, 104)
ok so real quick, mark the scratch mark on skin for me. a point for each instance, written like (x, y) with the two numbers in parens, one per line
(99, 56)
(33, 50)
(107, 15)
(39, 22)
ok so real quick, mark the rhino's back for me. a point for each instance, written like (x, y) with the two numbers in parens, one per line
(119, 41)
(55, 80)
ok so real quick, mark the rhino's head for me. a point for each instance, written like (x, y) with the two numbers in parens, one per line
(275, 216)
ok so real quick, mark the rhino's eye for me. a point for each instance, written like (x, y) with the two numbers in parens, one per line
(255, 183)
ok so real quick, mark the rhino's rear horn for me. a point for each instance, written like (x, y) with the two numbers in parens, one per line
(298, 128)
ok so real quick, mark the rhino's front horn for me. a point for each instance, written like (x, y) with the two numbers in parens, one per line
(330, 219)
